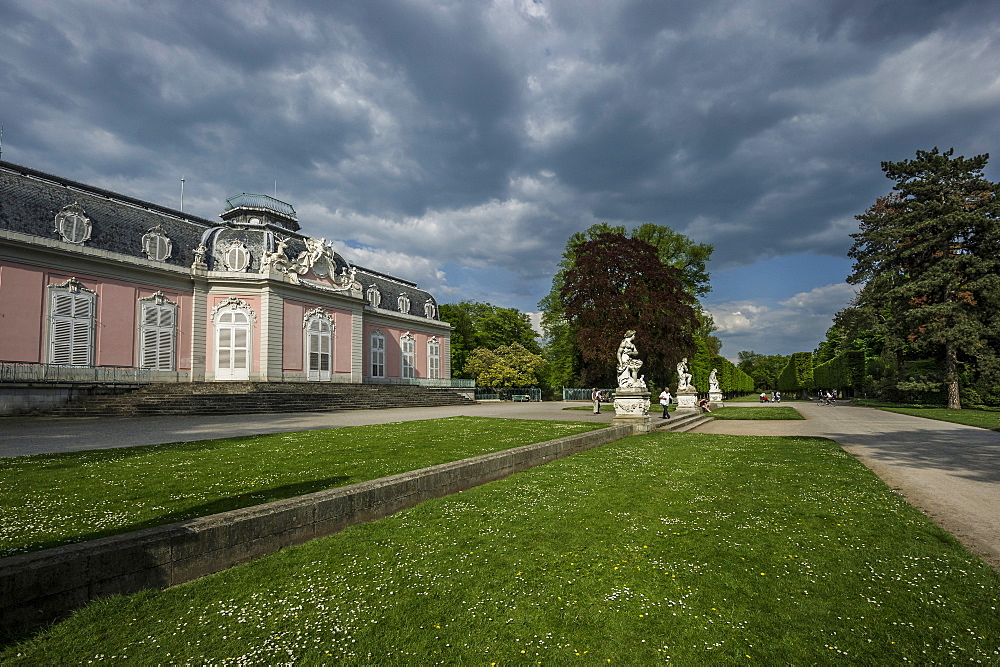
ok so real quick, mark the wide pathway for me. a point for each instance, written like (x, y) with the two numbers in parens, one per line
(951, 472)
(20, 436)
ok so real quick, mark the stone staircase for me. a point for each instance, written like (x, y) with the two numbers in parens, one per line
(229, 398)
(682, 422)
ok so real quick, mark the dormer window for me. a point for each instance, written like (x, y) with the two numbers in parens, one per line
(403, 303)
(373, 296)
(156, 245)
(430, 310)
(236, 257)
(73, 224)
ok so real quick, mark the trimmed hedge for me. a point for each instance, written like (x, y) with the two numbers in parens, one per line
(797, 375)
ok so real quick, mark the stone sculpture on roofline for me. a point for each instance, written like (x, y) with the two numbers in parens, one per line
(632, 396)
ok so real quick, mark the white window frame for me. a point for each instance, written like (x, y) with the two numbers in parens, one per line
(376, 352)
(157, 246)
(408, 356)
(236, 307)
(374, 296)
(72, 319)
(430, 310)
(157, 333)
(318, 329)
(403, 303)
(73, 224)
(434, 358)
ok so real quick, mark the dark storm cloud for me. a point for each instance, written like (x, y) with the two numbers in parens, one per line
(430, 134)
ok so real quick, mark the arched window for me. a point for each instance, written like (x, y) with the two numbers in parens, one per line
(409, 359)
(72, 309)
(433, 358)
(233, 321)
(157, 332)
(319, 330)
(377, 351)
(430, 310)
(403, 302)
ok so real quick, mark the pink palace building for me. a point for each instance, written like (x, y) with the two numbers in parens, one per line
(103, 288)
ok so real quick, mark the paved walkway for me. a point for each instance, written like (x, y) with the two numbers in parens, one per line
(949, 471)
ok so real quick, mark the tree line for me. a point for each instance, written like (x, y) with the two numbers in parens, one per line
(609, 281)
(923, 327)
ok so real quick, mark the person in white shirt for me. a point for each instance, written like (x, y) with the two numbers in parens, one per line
(665, 402)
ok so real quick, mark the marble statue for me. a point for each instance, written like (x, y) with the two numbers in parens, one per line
(683, 376)
(713, 381)
(629, 364)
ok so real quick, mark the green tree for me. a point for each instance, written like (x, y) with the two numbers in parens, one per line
(507, 366)
(763, 368)
(483, 325)
(617, 284)
(928, 255)
(565, 361)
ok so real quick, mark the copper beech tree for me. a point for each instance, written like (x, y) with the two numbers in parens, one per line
(616, 284)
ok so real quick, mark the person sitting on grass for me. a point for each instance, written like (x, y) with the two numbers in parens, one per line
(704, 405)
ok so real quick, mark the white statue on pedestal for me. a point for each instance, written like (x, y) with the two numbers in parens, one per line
(628, 364)
(683, 377)
(713, 381)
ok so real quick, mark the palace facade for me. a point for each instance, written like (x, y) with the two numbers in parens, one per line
(99, 286)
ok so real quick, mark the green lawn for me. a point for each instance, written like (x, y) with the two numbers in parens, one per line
(980, 418)
(770, 412)
(688, 548)
(49, 500)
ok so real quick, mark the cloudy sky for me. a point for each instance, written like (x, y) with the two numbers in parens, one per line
(459, 143)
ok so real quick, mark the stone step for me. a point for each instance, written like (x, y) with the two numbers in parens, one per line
(257, 397)
(682, 423)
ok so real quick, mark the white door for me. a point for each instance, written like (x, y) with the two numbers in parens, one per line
(232, 346)
(319, 353)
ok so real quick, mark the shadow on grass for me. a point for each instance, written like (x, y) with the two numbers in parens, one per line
(206, 509)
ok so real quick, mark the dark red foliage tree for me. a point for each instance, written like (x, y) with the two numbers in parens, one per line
(617, 284)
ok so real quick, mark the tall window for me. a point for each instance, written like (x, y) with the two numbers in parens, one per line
(71, 330)
(409, 347)
(378, 354)
(233, 321)
(403, 303)
(319, 344)
(157, 333)
(433, 359)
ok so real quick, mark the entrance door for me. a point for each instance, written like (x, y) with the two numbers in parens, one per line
(319, 352)
(232, 346)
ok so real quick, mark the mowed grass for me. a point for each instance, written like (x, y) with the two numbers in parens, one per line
(686, 548)
(741, 412)
(980, 418)
(49, 500)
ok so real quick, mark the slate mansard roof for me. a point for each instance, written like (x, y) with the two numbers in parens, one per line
(31, 200)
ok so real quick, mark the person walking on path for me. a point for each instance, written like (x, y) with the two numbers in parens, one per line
(665, 402)
(595, 396)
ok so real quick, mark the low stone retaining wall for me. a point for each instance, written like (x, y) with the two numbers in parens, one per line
(37, 588)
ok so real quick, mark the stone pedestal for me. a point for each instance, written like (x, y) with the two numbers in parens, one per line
(715, 399)
(687, 401)
(632, 409)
